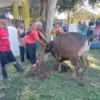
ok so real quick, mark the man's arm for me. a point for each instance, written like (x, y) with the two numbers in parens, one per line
(18, 35)
(28, 30)
(42, 36)
(43, 44)
(22, 35)
(61, 31)
(20, 40)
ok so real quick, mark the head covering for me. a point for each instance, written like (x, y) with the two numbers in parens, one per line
(39, 24)
(2, 16)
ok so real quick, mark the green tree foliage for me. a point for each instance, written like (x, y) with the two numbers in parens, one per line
(34, 9)
(92, 2)
(82, 15)
(64, 5)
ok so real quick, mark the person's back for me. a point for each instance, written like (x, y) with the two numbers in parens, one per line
(84, 29)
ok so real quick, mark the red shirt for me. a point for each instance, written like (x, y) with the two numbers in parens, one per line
(30, 37)
(4, 40)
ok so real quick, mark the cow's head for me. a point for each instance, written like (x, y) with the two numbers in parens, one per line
(49, 47)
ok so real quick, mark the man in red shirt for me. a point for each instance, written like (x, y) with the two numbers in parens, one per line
(5, 51)
(31, 37)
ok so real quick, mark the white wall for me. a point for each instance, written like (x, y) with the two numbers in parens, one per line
(13, 40)
(72, 27)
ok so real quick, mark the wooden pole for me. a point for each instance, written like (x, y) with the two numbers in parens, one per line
(25, 12)
(15, 11)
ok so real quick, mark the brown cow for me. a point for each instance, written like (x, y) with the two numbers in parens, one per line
(71, 46)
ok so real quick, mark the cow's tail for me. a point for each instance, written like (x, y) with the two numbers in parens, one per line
(86, 47)
(93, 36)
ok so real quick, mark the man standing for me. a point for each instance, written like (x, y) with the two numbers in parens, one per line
(31, 39)
(5, 51)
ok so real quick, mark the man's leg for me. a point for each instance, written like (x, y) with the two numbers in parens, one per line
(1, 87)
(27, 54)
(0, 72)
(4, 61)
(15, 63)
(40, 51)
(32, 53)
(22, 53)
(4, 73)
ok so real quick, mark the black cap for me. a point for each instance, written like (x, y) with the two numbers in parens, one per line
(2, 16)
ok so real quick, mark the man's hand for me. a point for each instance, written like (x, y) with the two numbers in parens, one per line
(28, 30)
(44, 45)
(42, 36)
(46, 42)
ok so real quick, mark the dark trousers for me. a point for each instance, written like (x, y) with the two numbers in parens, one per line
(31, 50)
(7, 57)
(22, 50)
(27, 54)
(90, 33)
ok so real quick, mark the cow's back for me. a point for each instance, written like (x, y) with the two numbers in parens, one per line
(68, 45)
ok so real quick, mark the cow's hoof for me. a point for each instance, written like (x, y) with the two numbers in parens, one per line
(74, 76)
(60, 72)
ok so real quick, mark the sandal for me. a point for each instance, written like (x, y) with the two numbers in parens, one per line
(38, 61)
(34, 66)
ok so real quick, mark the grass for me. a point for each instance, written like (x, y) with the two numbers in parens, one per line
(23, 87)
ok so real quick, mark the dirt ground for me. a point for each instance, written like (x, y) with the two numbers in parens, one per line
(44, 72)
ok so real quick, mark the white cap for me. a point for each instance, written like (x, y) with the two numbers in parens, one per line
(39, 24)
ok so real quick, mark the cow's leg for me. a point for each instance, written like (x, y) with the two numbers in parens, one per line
(75, 63)
(85, 63)
(59, 67)
(57, 60)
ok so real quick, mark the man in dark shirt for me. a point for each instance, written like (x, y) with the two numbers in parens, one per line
(5, 51)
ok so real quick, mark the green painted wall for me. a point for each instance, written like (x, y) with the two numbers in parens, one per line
(15, 11)
(25, 12)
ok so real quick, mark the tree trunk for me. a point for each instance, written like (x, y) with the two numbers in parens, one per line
(47, 10)
(43, 18)
(25, 12)
(68, 19)
(43, 13)
(50, 18)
